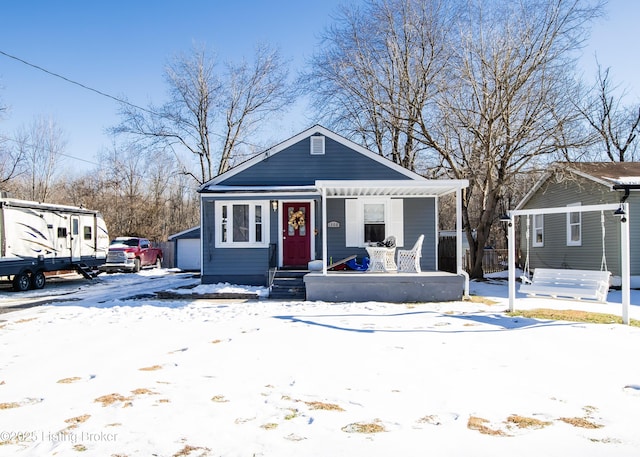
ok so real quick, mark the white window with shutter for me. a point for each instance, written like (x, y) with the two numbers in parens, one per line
(369, 220)
(317, 145)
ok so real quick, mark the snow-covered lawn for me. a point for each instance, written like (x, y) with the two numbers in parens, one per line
(145, 377)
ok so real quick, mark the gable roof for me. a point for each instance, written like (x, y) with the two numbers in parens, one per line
(316, 129)
(612, 175)
(609, 173)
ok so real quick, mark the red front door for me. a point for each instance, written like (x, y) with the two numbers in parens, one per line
(296, 239)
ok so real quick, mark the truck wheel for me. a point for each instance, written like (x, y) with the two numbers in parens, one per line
(38, 280)
(21, 282)
(158, 262)
(136, 265)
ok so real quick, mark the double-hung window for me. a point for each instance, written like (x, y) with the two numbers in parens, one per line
(242, 224)
(574, 227)
(374, 222)
(538, 231)
(369, 220)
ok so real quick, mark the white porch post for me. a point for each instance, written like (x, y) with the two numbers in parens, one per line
(511, 261)
(625, 266)
(459, 252)
(325, 259)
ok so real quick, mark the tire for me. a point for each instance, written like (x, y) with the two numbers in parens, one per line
(21, 282)
(158, 262)
(136, 265)
(38, 280)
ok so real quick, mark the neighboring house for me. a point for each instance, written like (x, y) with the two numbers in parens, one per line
(315, 196)
(577, 240)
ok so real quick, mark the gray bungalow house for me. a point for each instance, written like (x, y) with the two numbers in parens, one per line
(583, 240)
(317, 198)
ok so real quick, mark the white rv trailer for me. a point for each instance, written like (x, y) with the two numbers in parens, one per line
(39, 237)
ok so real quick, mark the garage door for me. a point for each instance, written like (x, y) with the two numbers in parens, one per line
(188, 255)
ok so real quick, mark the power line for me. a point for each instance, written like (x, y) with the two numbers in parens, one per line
(64, 78)
(104, 94)
(6, 138)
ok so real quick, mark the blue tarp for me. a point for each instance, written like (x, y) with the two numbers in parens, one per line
(354, 265)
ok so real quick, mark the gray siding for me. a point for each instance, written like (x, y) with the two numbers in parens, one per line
(634, 232)
(296, 166)
(555, 253)
(191, 234)
(247, 266)
(419, 218)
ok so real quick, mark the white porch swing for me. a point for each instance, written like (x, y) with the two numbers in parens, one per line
(621, 209)
(568, 283)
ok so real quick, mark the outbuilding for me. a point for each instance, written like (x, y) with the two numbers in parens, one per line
(186, 245)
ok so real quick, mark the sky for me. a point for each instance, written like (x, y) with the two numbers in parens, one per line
(97, 374)
(121, 47)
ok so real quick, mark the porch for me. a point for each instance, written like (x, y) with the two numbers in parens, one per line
(356, 286)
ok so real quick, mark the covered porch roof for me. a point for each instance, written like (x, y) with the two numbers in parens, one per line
(401, 188)
(396, 188)
(354, 188)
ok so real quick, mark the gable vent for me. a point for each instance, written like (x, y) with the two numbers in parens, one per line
(317, 145)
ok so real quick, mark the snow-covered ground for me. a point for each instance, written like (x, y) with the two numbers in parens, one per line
(98, 373)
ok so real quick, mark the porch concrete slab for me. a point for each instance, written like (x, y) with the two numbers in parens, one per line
(422, 287)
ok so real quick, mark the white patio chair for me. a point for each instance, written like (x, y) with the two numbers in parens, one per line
(409, 261)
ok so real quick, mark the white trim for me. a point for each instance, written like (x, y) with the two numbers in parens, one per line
(252, 243)
(176, 235)
(312, 223)
(397, 188)
(324, 233)
(565, 209)
(534, 241)
(301, 136)
(316, 145)
(548, 174)
(624, 247)
(354, 219)
(222, 189)
(570, 241)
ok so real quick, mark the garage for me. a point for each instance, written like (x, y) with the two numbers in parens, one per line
(187, 249)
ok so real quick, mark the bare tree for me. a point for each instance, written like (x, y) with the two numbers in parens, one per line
(40, 145)
(381, 65)
(477, 90)
(615, 126)
(507, 104)
(11, 162)
(253, 92)
(203, 102)
(124, 167)
(137, 192)
(11, 158)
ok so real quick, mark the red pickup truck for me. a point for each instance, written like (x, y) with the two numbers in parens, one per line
(128, 253)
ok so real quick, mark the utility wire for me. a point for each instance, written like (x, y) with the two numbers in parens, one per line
(99, 92)
(6, 138)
